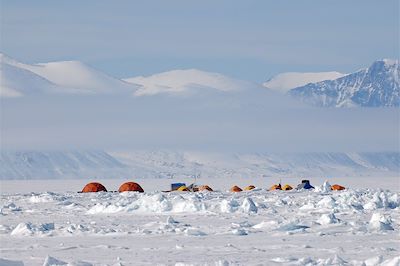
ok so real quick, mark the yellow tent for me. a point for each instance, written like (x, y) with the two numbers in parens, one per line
(251, 187)
(276, 187)
(182, 188)
(287, 187)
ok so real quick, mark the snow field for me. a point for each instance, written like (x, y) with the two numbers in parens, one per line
(320, 227)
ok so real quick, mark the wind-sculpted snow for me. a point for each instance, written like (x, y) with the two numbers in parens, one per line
(317, 227)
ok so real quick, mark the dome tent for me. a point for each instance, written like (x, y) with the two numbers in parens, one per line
(251, 187)
(205, 187)
(182, 188)
(337, 187)
(235, 189)
(130, 186)
(305, 184)
(287, 187)
(93, 187)
(276, 187)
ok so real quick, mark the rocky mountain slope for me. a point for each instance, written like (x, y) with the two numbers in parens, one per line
(375, 86)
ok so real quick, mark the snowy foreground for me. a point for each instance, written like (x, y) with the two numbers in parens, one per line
(358, 226)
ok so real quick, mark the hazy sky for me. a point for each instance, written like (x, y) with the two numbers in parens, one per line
(246, 39)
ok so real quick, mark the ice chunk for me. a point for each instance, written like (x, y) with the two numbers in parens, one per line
(50, 261)
(380, 222)
(248, 206)
(194, 232)
(392, 262)
(326, 187)
(171, 220)
(327, 202)
(5, 262)
(229, 205)
(328, 219)
(292, 227)
(239, 232)
(264, 224)
(22, 229)
(373, 261)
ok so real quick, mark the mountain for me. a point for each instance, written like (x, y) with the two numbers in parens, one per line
(161, 164)
(375, 86)
(285, 81)
(57, 164)
(20, 79)
(186, 81)
(16, 82)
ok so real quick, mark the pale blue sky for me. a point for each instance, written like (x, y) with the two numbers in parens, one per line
(246, 39)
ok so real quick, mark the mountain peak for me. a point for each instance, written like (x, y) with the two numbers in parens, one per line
(56, 77)
(390, 62)
(375, 86)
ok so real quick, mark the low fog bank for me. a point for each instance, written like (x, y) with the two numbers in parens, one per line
(237, 122)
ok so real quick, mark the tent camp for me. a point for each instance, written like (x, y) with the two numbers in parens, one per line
(130, 186)
(93, 187)
(305, 184)
(235, 189)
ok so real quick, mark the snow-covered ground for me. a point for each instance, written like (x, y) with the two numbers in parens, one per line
(358, 226)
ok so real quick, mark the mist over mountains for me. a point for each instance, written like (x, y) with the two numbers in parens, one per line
(67, 119)
(374, 86)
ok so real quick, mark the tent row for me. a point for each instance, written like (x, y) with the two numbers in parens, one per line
(132, 186)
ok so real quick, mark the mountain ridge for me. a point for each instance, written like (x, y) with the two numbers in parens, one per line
(284, 82)
(165, 164)
(375, 86)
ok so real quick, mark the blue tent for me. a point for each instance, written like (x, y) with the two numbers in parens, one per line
(305, 184)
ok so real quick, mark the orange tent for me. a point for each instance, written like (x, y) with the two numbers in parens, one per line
(287, 187)
(205, 187)
(276, 187)
(251, 187)
(235, 189)
(94, 187)
(337, 187)
(130, 186)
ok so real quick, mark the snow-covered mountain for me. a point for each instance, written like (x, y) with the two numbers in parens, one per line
(162, 164)
(185, 81)
(18, 79)
(57, 164)
(375, 86)
(285, 81)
